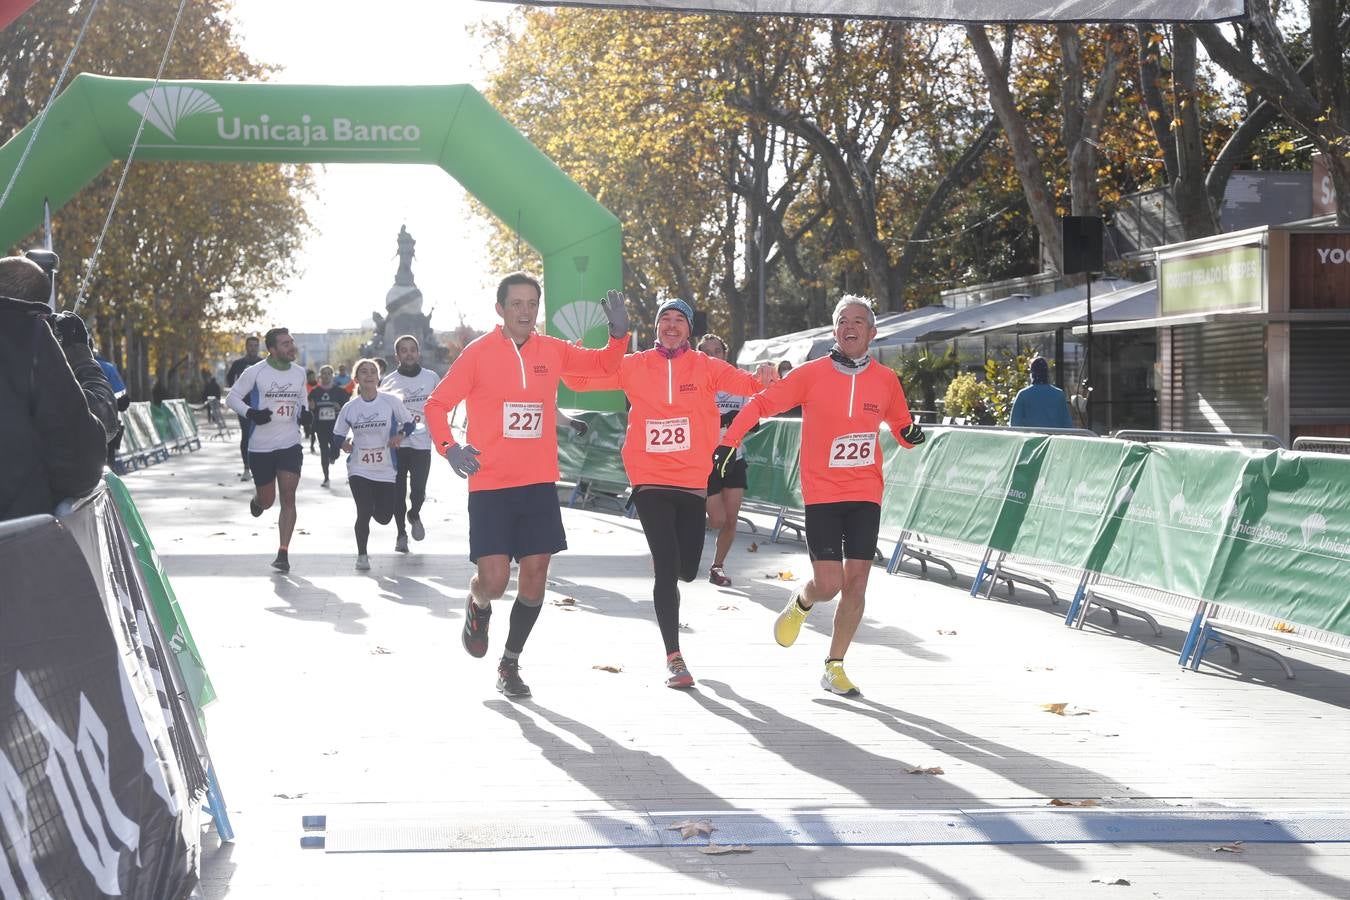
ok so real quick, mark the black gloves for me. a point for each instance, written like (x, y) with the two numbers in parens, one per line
(306, 418)
(913, 434)
(70, 330)
(123, 402)
(259, 416)
(578, 426)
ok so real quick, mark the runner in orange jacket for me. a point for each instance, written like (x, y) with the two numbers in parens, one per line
(844, 399)
(673, 427)
(508, 380)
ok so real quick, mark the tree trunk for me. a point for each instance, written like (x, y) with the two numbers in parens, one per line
(1025, 160)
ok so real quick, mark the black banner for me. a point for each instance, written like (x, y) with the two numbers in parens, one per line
(95, 796)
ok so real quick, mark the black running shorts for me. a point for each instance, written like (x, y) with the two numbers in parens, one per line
(266, 465)
(839, 531)
(735, 477)
(515, 522)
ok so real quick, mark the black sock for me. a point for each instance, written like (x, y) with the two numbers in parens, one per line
(523, 617)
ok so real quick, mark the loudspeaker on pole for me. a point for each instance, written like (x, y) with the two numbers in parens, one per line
(1082, 237)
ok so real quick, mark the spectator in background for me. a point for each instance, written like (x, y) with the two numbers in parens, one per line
(784, 367)
(121, 397)
(55, 442)
(343, 380)
(211, 393)
(1041, 404)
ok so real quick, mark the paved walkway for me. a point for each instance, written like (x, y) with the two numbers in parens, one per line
(348, 695)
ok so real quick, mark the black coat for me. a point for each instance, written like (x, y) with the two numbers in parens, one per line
(54, 445)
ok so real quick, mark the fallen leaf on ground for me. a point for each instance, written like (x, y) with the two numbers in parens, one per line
(785, 575)
(931, 770)
(945, 631)
(1120, 881)
(216, 534)
(1235, 847)
(614, 669)
(689, 828)
(301, 531)
(1066, 709)
(1058, 802)
(753, 548)
(719, 849)
(380, 651)
(728, 606)
(565, 601)
(289, 796)
(1284, 627)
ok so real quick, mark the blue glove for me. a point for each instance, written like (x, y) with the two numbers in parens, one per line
(259, 416)
(913, 434)
(463, 458)
(616, 310)
(408, 428)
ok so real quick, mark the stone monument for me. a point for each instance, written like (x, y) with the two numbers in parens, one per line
(403, 314)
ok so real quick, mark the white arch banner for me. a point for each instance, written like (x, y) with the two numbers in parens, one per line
(946, 10)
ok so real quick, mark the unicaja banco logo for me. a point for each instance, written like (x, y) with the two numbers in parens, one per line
(1313, 526)
(164, 107)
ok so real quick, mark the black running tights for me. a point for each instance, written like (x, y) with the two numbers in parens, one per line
(417, 464)
(374, 500)
(673, 522)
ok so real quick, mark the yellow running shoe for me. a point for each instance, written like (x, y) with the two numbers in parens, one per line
(789, 622)
(836, 682)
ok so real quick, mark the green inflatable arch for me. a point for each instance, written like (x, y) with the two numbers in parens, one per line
(94, 121)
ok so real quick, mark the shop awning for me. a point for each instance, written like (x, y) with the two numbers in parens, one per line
(813, 343)
(946, 10)
(995, 313)
(1137, 301)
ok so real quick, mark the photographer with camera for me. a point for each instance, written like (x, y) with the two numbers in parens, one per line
(54, 399)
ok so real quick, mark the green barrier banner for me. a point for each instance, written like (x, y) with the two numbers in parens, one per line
(1286, 541)
(773, 463)
(903, 470)
(1073, 513)
(593, 456)
(161, 594)
(974, 486)
(1171, 530)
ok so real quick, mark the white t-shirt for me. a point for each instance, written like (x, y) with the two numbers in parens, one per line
(283, 391)
(371, 423)
(729, 403)
(413, 391)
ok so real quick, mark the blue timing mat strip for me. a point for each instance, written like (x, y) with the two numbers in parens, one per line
(1039, 825)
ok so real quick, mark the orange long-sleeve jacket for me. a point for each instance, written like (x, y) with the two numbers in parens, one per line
(841, 421)
(511, 395)
(673, 425)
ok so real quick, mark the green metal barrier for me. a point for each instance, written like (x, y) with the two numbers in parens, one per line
(165, 601)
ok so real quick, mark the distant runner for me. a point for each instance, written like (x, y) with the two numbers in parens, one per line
(269, 397)
(725, 491)
(668, 452)
(844, 399)
(325, 399)
(413, 385)
(508, 380)
(250, 358)
(376, 420)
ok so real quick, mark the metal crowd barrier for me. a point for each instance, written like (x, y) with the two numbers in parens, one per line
(1322, 445)
(1223, 439)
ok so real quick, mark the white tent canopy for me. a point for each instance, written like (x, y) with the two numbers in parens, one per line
(946, 10)
(1127, 304)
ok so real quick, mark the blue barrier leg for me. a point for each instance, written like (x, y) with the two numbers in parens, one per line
(979, 575)
(1188, 646)
(1201, 646)
(896, 555)
(1071, 615)
(215, 807)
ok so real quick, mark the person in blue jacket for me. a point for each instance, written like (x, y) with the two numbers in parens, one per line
(1040, 404)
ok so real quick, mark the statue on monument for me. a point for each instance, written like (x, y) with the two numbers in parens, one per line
(403, 313)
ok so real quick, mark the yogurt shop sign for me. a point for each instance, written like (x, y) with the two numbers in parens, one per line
(1231, 279)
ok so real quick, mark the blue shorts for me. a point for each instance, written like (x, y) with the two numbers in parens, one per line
(266, 465)
(515, 522)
